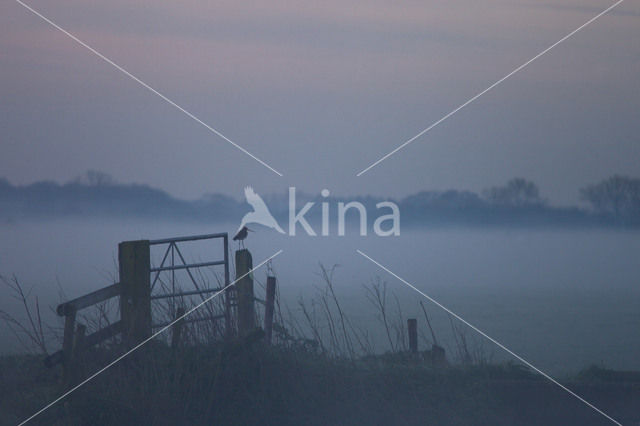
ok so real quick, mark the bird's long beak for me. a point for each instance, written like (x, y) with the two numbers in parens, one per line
(250, 230)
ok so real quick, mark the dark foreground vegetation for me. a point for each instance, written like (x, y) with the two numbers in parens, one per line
(248, 383)
(320, 370)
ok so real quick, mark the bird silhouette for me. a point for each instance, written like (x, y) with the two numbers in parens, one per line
(241, 235)
(260, 214)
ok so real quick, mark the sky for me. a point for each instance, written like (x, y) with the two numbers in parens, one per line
(319, 91)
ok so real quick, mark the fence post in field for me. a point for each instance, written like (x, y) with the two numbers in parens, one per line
(67, 345)
(176, 330)
(268, 309)
(228, 292)
(135, 300)
(412, 326)
(244, 292)
(76, 354)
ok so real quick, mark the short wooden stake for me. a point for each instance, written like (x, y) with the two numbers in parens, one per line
(176, 330)
(77, 366)
(268, 309)
(67, 346)
(229, 292)
(412, 326)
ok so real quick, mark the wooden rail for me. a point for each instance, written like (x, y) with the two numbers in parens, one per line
(69, 310)
(87, 341)
(89, 299)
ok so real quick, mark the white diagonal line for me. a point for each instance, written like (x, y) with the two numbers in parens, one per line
(491, 339)
(148, 339)
(146, 86)
(488, 88)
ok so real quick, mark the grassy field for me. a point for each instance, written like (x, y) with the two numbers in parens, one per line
(247, 383)
(321, 370)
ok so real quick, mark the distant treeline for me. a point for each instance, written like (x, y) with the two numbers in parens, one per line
(612, 202)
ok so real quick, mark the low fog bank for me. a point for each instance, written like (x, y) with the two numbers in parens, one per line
(614, 202)
(563, 299)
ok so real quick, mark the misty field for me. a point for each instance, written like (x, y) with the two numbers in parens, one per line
(565, 300)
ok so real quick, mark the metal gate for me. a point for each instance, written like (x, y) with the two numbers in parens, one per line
(165, 286)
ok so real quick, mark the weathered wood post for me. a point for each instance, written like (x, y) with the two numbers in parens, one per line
(176, 330)
(67, 346)
(77, 367)
(78, 341)
(268, 308)
(228, 292)
(412, 326)
(135, 299)
(244, 291)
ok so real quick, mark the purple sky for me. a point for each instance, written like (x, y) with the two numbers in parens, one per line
(320, 90)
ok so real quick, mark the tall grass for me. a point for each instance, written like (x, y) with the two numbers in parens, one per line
(321, 369)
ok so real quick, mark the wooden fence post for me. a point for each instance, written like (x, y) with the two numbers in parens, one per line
(135, 300)
(67, 346)
(244, 291)
(77, 367)
(78, 341)
(268, 308)
(176, 330)
(228, 292)
(412, 326)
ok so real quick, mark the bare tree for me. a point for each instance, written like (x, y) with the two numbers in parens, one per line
(95, 178)
(618, 197)
(517, 192)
